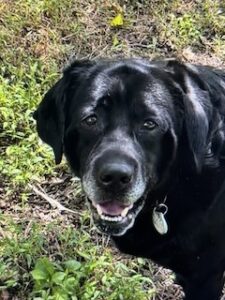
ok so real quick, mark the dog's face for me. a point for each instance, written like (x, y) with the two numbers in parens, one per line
(118, 124)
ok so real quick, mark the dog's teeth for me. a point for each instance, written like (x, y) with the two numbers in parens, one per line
(99, 210)
(118, 218)
(125, 211)
(111, 219)
(129, 216)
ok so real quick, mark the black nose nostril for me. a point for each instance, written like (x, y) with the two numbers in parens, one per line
(125, 179)
(106, 179)
(117, 175)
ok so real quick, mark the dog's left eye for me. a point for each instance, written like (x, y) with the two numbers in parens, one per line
(91, 120)
(149, 124)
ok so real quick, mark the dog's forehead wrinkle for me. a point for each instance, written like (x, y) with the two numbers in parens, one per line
(112, 87)
(100, 85)
(124, 69)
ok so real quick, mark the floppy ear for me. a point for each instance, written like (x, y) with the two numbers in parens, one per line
(197, 125)
(50, 115)
(50, 118)
(197, 109)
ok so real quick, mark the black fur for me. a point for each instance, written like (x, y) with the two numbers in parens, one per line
(139, 132)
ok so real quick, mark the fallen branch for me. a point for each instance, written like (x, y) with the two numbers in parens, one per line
(54, 203)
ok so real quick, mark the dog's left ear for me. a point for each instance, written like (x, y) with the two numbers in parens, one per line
(197, 125)
(50, 115)
(197, 109)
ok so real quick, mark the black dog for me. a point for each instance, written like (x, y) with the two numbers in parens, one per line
(147, 141)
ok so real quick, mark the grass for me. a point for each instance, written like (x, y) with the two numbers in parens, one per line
(73, 267)
(46, 255)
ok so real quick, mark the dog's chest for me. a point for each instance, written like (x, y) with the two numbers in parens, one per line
(180, 244)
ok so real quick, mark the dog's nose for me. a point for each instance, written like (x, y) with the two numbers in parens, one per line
(115, 174)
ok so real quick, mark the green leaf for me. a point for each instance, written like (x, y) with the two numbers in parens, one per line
(46, 265)
(60, 294)
(73, 265)
(58, 277)
(115, 41)
(70, 283)
(43, 269)
(39, 274)
(117, 20)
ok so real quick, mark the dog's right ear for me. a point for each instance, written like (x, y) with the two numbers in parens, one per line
(50, 118)
(50, 115)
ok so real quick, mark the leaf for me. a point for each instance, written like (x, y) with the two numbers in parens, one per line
(39, 275)
(141, 261)
(70, 283)
(115, 41)
(117, 20)
(43, 269)
(58, 277)
(60, 296)
(73, 265)
(46, 265)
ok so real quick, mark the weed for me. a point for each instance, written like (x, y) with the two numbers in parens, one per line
(87, 280)
(78, 271)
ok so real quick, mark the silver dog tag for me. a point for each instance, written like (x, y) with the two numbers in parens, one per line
(158, 219)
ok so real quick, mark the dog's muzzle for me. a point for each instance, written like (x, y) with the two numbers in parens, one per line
(114, 218)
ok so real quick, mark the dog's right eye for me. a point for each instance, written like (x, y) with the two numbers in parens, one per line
(90, 120)
(149, 125)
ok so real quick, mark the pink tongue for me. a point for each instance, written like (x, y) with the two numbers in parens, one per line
(112, 208)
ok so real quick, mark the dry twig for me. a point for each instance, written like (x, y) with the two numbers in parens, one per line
(54, 203)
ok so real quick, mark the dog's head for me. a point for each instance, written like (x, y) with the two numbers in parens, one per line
(119, 125)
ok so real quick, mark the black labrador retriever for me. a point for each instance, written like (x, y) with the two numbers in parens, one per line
(147, 140)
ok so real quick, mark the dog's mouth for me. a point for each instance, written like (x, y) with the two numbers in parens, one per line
(114, 218)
